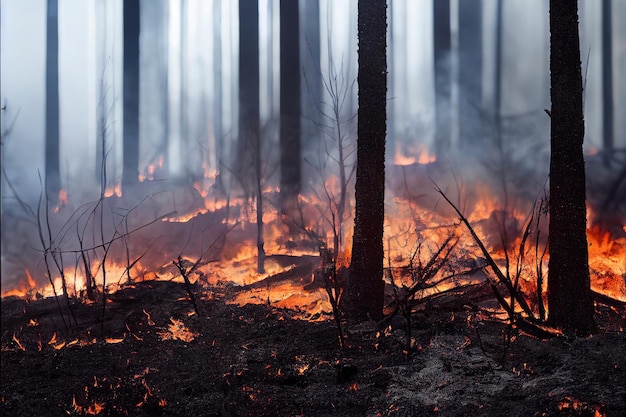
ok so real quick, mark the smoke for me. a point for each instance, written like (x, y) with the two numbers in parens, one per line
(177, 92)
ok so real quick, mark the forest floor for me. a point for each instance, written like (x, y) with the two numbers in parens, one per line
(159, 359)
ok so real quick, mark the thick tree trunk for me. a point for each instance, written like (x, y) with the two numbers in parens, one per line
(470, 73)
(443, 75)
(249, 144)
(52, 180)
(290, 110)
(131, 92)
(569, 294)
(249, 112)
(364, 295)
(311, 89)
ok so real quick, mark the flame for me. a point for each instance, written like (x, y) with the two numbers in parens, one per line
(418, 154)
(148, 174)
(62, 200)
(113, 190)
(606, 262)
(24, 288)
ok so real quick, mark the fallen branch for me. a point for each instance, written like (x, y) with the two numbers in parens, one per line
(494, 267)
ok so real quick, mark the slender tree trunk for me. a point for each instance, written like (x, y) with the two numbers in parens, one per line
(365, 290)
(443, 76)
(185, 137)
(131, 92)
(53, 180)
(165, 107)
(290, 110)
(249, 145)
(498, 74)
(569, 295)
(470, 73)
(218, 92)
(607, 81)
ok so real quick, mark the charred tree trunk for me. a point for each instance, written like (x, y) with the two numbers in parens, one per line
(290, 110)
(607, 81)
(470, 73)
(365, 291)
(53, 178)
(569, 294)
(443, 75)
(249, 144)
(131, 92)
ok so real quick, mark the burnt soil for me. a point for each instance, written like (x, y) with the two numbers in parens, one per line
(257, 360)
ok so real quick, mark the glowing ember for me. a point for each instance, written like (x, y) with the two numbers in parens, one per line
(177, 331)
(93, 409)
(18, 343)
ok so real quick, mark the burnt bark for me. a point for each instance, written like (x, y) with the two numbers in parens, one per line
(569, 294)
(443, 75)
(53, 180)
(364, 295)
(290, 108)
(131, 92)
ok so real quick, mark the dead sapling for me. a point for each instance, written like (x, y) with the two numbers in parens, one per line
(421, 276)
(334, 280)
(186, 268)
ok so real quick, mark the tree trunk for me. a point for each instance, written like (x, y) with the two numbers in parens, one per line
(443, 75)
(131, 92)
(607, 81)
(364, 295)
(470, 73)
(52, 180)
(311, 89)
(290, 111)
(569, 294)
(249, 144)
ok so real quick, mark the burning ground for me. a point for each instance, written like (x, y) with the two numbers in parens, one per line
(158, 357)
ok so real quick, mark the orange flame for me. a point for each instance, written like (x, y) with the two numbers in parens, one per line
(62, 200)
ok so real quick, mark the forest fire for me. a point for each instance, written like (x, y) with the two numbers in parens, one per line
(413, 232)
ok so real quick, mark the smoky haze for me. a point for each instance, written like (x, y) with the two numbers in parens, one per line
(188, 111)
